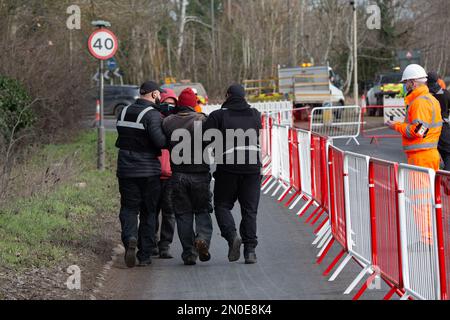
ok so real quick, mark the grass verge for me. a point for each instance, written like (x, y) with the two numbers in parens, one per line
(47, 227)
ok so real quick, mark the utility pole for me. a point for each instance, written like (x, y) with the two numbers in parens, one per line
(213, 33)
(355, 50)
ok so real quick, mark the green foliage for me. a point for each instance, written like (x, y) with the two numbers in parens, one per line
(14, 107)
(43, 229)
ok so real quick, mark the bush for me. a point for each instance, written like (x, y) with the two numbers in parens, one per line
(15, 111)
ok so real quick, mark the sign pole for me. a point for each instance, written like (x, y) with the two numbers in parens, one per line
(101, 127)
(102, 45)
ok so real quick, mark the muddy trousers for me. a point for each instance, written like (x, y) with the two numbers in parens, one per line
(191, 200)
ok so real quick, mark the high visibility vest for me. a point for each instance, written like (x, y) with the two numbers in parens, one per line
(132, 135)
(423, 122)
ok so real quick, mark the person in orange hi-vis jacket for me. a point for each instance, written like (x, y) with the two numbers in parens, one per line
(421, 131)
(442, 84)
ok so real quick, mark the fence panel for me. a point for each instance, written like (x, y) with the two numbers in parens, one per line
(276, 153)
(296, 182)
(304, 140)
(319, 170)
(385, 221)
(418, 230)
(357, 202)
(443, 224)
(285, 172)
(336, 122)
(337, 195)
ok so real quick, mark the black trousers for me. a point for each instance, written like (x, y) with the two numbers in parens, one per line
(165, 210)
(139, 199)
(191, 201)
(246, 189)
(445, 155)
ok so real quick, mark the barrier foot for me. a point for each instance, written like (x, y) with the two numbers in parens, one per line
(365, 287)
(334, 263)
(341, 267)
(390, 294)
(322, 225)
(313, 214)
(291, 199)
(266, 181)
(318, 217)
(303, 210)
(357, 280)
(328, 235)
(267, 170)
(352, 139)
(405, 297)
(277, 190)
(325, 252)
(285, 194)
(320, 237)
(270, 187)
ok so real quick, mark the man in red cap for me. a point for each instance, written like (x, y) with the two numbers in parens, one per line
(167, 227)
(191, 178)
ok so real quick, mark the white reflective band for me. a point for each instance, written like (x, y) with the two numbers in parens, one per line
(124, 112)
(438, 206)
(142, 114)
(371, 186)
(129, 124)
(134, 125)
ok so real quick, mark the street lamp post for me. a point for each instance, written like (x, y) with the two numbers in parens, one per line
(355, 49)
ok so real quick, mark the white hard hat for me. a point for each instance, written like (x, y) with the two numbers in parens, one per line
(414, 72)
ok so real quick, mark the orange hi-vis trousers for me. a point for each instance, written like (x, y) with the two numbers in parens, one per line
(427, 159)
(423, 207)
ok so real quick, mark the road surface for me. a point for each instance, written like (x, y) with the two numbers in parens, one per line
(286, 268)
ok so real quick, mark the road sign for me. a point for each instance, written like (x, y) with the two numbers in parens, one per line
(117, 73)
(112, 64)
(103, 44)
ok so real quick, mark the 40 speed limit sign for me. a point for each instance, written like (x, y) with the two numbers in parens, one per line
(103, 44)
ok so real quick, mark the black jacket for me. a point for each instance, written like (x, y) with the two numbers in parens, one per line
(186, 118)
(140, 148)
(236, 114)
(443, 96)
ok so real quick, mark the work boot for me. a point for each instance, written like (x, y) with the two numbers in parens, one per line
(190, 261)
(130, 253)
(250, 256)
(203, 250)
(165, 254)
(234, 253)
(155, 252)
(145, 263)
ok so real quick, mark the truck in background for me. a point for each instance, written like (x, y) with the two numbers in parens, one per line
(307, 86)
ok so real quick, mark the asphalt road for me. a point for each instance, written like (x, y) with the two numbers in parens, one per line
(384, 148)
(286, 268)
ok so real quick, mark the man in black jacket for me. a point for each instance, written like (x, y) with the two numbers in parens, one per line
(140, 141)
(443, 96)
(191, 178)
(238, 176)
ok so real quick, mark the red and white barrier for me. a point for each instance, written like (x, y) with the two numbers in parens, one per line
(442, 190)
(393, 220)
(418, 232)
(384, 212)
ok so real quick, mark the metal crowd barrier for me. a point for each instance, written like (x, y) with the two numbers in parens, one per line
(418, 233)
(393, 220)
(337, 122)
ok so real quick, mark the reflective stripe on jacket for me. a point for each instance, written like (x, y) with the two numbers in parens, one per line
(423, 112)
